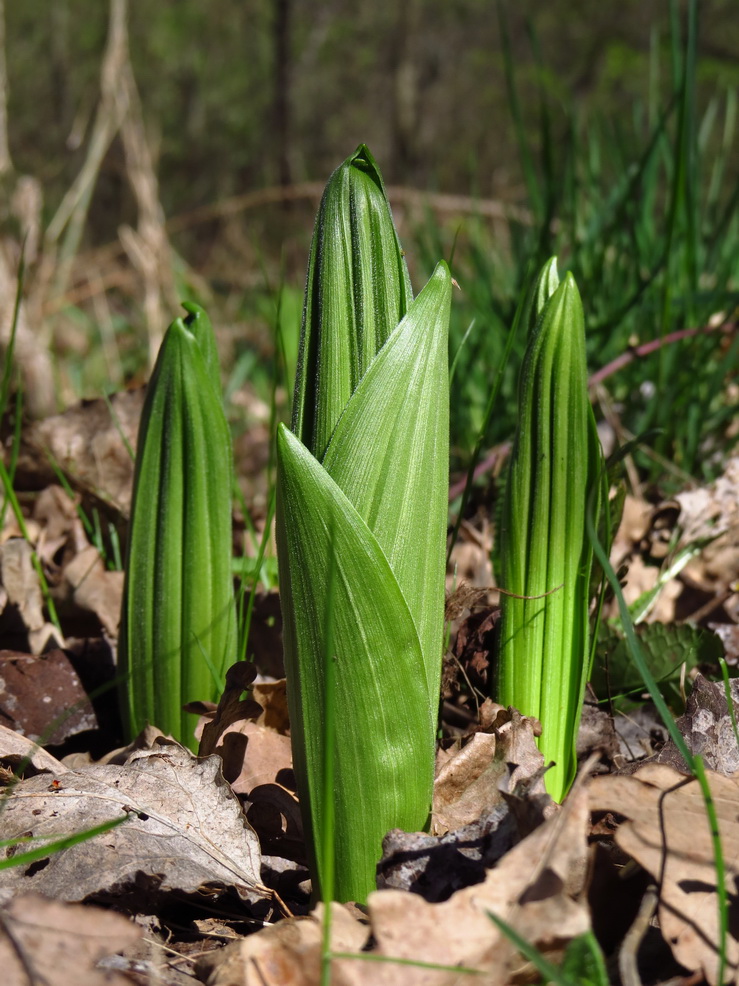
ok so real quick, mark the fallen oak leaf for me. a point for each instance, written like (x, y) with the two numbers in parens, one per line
(471, 777)
(20, 751)
(668, 833)
(272, 696)
(253, 752)
(95, 588)
(46, 941)
(532, 888)
(274, 813)
(707, 728)
(289, 954)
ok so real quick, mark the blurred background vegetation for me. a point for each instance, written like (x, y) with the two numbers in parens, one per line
(178, 149)
(242, 94)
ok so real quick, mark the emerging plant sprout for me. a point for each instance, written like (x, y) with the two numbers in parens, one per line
(546, 555)
(361, 527)
(178, 625)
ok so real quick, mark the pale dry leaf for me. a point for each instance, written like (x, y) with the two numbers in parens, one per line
(148, 739)
(17, 749)
(709, 510)
(86, 442)
(96, 589)
(56, 514)
(667, 833)
(437, 866)
(185, 829)
(707, 728)
(267, 754)
(21, 582)
(469, 778)
(532, 888)
(288, 954)
(466, 784)
(713, 512)
(60, 944)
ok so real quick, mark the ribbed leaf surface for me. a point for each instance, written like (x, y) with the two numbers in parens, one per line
(376, 510)
(390, 456)
(384, 738)
(178, 619)
(544, 641)
(357, 291)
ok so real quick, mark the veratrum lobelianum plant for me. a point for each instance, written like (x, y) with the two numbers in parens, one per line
(555, 475)
(178, 624)
(361, 527)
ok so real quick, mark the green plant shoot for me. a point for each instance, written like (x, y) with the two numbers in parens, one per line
(546, 556)
(357, 291)
(361, 526)
(178, 628)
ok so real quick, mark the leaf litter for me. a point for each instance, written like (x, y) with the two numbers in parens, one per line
(185, 829)
(222, 835)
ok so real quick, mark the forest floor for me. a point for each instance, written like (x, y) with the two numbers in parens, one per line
(200, 872)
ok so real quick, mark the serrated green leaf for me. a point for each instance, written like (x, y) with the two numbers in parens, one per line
(666, 647)
(384, 734)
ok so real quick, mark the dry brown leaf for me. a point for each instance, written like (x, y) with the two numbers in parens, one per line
(274, 812)
(468, 777)
(437, 866)
(15, 749)
(95, 588)
(288, 954)
(240, 730)
(21, 582)
(86, 442)
(231, 709)
(186, 829)
(667, 832)
(56, 514)
(466, 783)
(20, 587)
(272, 696)
(707, 728)
(267, 754)
(532, 888)
(43, 697)
(46, 941)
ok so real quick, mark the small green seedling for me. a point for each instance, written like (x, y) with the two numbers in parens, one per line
(178, 627)
(546, 556)
(361, 526)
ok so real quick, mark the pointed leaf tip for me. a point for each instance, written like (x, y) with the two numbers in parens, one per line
(198, 324)
(363, 160)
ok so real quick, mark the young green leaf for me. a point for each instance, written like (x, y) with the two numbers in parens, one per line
(375, 509)
(357, 291)
(382, 709)
(546, 557)
(178, 620)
